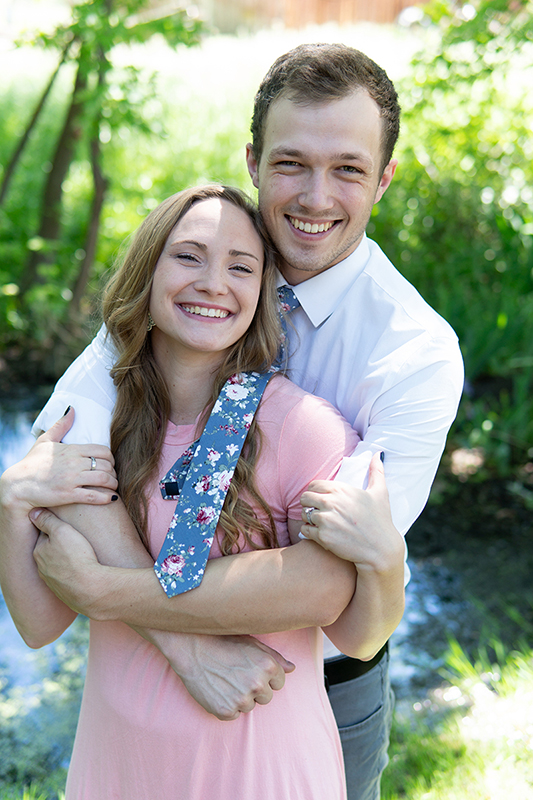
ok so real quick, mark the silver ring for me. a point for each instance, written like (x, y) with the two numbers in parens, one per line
(93, 463)
(308, 512)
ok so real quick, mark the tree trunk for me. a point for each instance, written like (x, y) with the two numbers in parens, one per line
(50, 222)
(10, 168)
(100, 187)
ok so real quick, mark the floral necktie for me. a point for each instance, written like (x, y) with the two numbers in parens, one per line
(287, 303)
(200, 479)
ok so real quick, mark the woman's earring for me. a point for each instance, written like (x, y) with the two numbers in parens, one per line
(151, 323)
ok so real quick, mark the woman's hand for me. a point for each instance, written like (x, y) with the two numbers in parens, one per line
(55, 474)
(354, 524)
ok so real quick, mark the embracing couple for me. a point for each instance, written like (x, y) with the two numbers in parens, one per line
(257, 375)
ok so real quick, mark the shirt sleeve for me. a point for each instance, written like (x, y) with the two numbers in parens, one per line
(314, 438)
(410, 421)
(88, 387)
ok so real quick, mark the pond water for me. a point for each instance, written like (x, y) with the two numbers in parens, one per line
(37, 682)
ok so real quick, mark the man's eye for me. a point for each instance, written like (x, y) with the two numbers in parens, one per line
(351, 170)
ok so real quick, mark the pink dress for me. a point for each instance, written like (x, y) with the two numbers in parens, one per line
(142, 737)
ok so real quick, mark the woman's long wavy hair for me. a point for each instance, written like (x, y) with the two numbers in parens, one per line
(143, 405)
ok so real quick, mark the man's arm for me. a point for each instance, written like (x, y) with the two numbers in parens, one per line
(257, 592)
(409, 421)
(362, 533)
(226, 675)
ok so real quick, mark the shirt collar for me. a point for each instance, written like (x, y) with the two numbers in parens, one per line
(320, 295)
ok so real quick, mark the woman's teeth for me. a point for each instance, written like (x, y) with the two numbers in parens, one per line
(308, 227)
(206, 312)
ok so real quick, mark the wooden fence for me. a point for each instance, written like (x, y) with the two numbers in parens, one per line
(228, 15)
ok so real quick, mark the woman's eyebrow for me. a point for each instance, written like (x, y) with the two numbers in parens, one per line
(242, 253)
(181, 242)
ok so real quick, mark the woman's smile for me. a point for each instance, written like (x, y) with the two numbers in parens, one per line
(207, 281)
(205, 311)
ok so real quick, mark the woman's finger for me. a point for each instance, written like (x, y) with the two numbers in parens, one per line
(60, 428)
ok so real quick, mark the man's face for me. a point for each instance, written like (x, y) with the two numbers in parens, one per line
(318, 178)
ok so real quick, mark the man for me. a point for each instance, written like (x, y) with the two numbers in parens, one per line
(326, 119)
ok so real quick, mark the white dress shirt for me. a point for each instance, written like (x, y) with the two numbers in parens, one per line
(364, 339)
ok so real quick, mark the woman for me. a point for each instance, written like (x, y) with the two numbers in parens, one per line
(191, 306)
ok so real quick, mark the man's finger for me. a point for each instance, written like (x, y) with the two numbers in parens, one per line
(265, 698)
(284, 663)
(44, 520)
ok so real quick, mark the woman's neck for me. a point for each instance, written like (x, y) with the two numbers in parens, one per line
(190, 383)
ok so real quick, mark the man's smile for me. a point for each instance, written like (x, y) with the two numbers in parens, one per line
(310, 227)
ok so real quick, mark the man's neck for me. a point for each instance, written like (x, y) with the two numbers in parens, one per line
(295, 276)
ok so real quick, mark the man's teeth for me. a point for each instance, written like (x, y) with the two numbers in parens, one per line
(307, 227)
(206, 312)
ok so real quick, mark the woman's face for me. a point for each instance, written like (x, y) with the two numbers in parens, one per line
(207, 281)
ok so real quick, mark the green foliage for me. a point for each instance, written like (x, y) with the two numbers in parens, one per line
(469, 738)
(458, 220)
(37, 722)
(104, 99)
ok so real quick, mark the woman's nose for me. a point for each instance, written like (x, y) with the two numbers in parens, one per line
(213, 279)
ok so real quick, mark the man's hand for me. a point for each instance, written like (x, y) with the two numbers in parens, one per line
(226, 675)
(55, 474)
(355, 524)
(65, 559)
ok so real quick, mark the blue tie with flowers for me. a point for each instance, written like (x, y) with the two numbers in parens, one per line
(200, 480)
(287, 303)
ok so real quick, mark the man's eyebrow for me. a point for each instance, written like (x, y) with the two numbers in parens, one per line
(280, 152)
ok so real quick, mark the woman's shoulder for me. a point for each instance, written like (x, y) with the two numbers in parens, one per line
(303, 438)
(283, 401)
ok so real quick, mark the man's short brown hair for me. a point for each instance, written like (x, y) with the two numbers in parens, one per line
(319, 73)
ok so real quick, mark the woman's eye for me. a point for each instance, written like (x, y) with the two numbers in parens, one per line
(242, 268)
(187, 257)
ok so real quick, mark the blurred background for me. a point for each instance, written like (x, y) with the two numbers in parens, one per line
(109, 106)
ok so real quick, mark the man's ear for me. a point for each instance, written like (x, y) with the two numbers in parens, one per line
(386, 178)
(252, 165)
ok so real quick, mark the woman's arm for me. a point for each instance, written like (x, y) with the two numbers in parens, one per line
(357, 526)
(40, 617)
(38, 614)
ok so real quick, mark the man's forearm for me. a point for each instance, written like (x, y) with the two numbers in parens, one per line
(252, 593)
(262, 591)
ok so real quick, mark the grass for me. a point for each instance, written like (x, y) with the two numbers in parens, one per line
(472, 737)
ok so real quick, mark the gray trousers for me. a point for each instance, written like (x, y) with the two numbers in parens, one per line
(363, 710)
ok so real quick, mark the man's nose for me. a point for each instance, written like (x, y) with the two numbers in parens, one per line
(316, 193)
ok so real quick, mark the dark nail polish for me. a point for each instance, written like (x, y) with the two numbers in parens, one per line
(382, 456)
(66, 412)
(114, 497)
